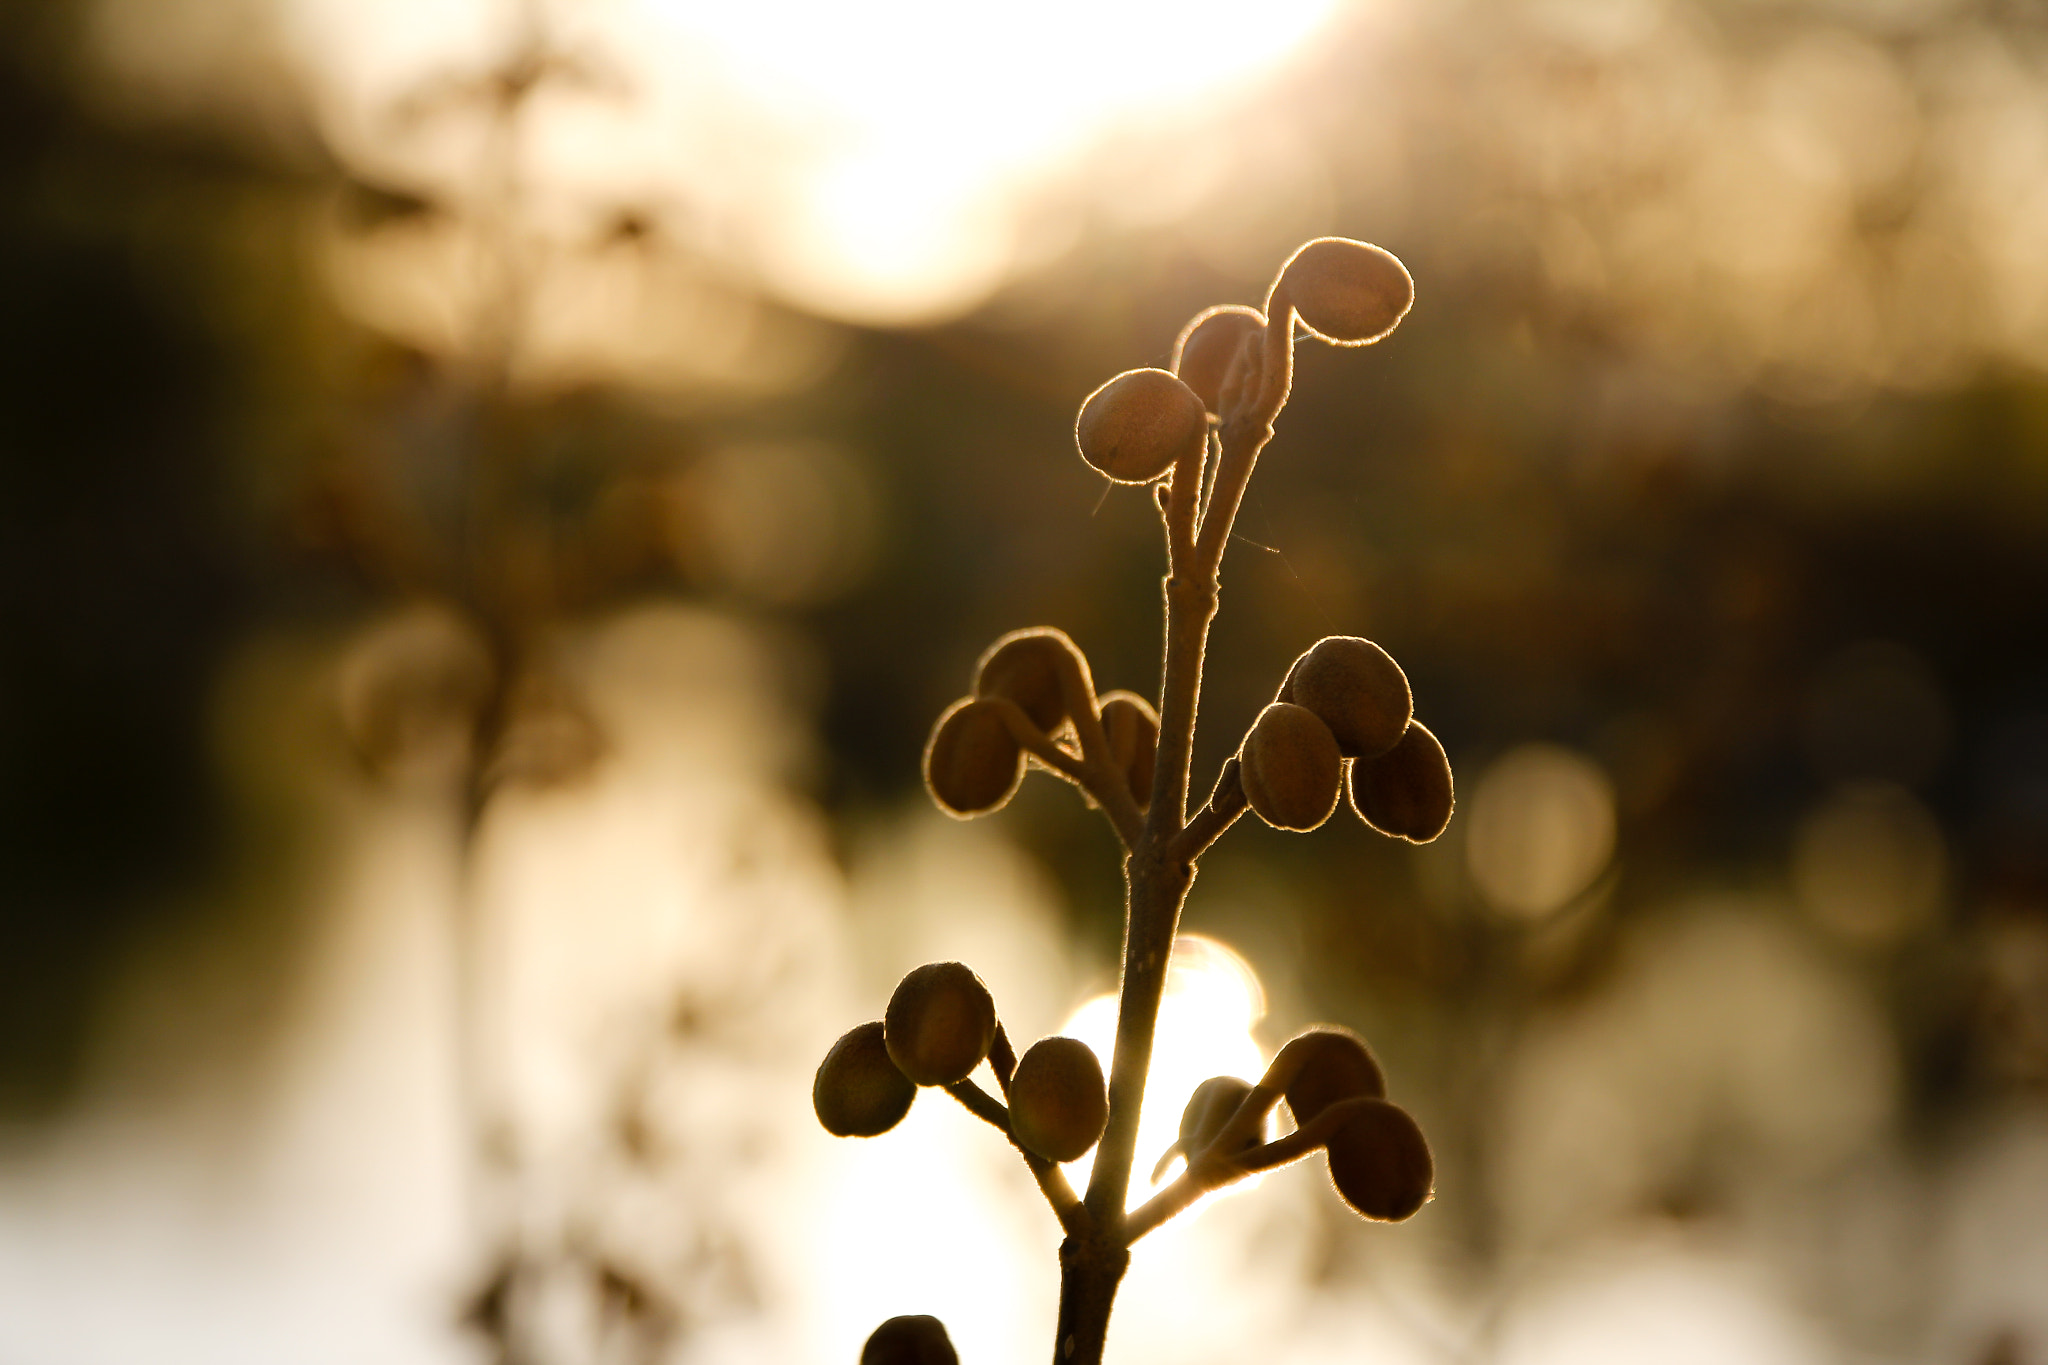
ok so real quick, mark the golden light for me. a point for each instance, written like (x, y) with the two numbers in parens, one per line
(932, 1218)
(1213, 999)
(1654, 1298)
(914, 133)
(885, 163)
(1540, 829)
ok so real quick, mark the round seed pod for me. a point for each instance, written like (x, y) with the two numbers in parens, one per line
(1137, 425)
(858, 1091)
(918, 1339)
(1358, 691)
(1346, 293)
(1027, 667)
(1291, 768)
(973, 763)
(1336, 1065)
(1406, 791)
(1380, 1162)
(1133, 730)
(940, 1023)
(1058, 1102)
(1209, 1108)
(1207, 346)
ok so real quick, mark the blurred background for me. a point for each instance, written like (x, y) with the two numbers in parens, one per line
(495, 493)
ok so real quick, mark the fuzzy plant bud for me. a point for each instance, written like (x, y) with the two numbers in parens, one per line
(1033, 668)
(859, 1092)
(1380, 1162)
(1346, 293)
(1357, 690)
(940, 1023)
(973, 763)
(1291, 769)
(1211, 344)
(1132, 727)
(1212, 1105)
(1406, 791)
(1138, 425)
(1058, 1102)
(916, 1339)
(1329, 1065)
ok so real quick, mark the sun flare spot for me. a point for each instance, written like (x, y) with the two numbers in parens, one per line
(1213, 999)
(913, 135)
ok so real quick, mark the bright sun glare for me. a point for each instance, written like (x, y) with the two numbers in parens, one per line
(929, 1218)
(1205, 1029)
(887, 163)
(915, 128)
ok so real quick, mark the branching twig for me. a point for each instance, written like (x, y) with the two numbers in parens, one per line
(1002, 1057)
(1059, 1192)
(1226, 802)
(1095, 774)
(1211, 1169)
(1233, 368)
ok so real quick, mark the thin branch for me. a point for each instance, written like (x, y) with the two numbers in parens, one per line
(1052, 1181)
(1157, 874)
(1210, 1169)
(1157, 889)
(981, 1104)
(1283, 1150)
(1112, 791)
(1169, 1203)
(1211, 458)
(1192, 583)
(1002, 1058)
(1226, 802)
(1246, 432)
(1059, 1192)
(1101, 776)
(1102, 781)
(1183, 502)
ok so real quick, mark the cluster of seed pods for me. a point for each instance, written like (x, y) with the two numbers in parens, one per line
(1342, 722)
(1032, 691)
(941, 1026)
(1378, 1158)
(1345, 720)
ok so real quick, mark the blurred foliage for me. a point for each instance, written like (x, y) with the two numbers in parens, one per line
(125, 568)
(1562, 532)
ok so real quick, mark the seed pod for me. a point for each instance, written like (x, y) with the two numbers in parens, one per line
(940, 1023)
(1029, 667)
(1209, 345)
(1347, 293)
(1133, 730)
(1135, 427)
(859, 1092)
(1291, 769)
(1380, 1162)
(973, 763)
(1334, 1064)
(1358, 691)
(1209, 1108)
(1406, 791)
(918, 1339)
(1058, 1102)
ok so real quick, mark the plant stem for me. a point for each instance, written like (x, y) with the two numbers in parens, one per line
(1157, 890)
(1160, 867)
(1091, 1268)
